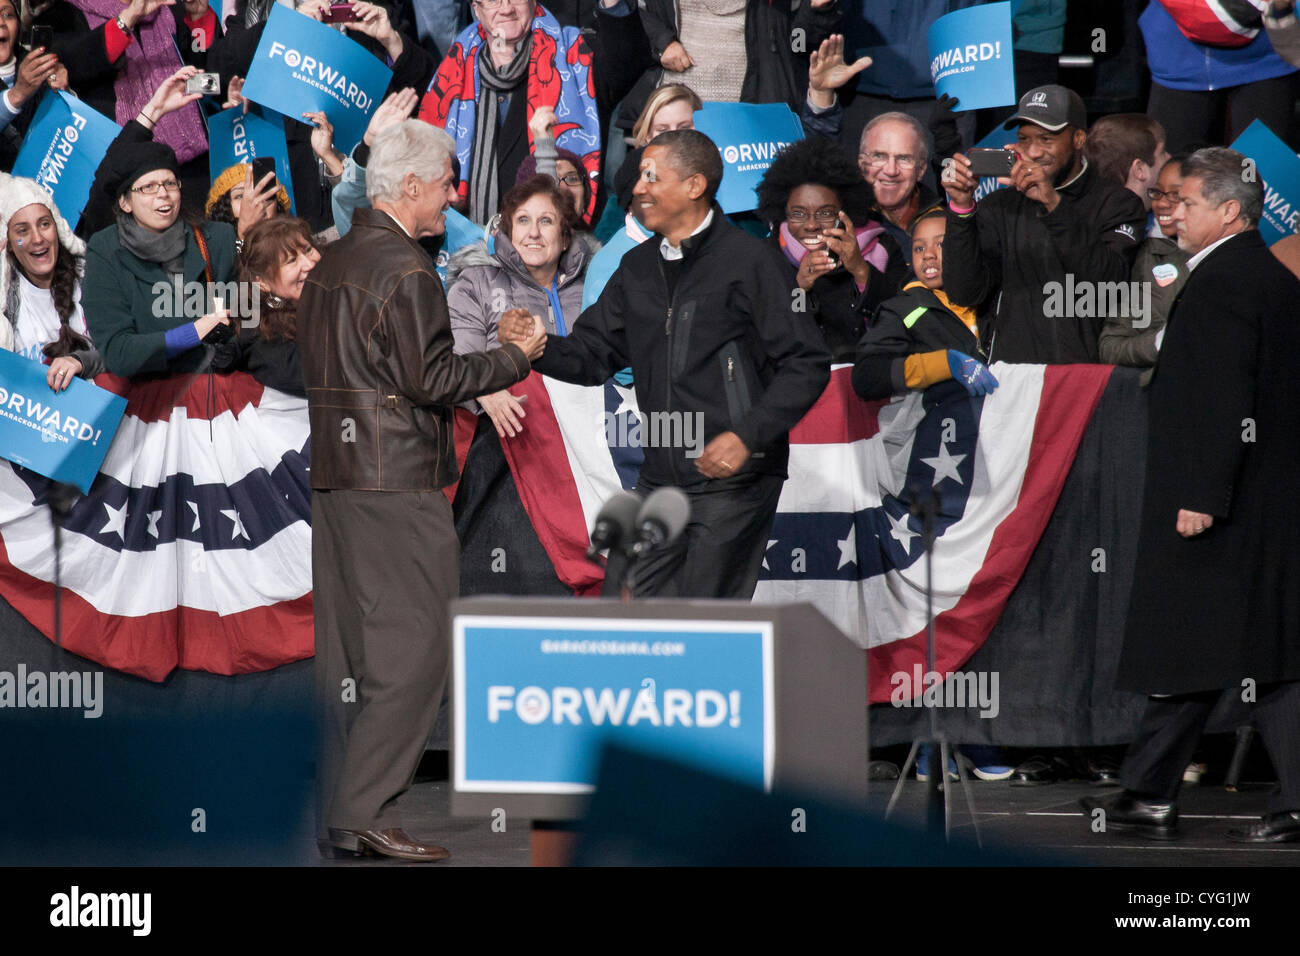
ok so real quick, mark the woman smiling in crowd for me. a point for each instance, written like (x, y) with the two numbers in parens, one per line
(538, 264)
(40, 284)
(817, 205)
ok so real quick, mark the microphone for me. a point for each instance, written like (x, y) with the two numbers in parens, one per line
(615, 524)
(661, 520)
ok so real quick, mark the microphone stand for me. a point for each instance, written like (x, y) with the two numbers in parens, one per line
(925, 505)
(61, 498)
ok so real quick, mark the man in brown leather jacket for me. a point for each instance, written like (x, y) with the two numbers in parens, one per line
(381, 380)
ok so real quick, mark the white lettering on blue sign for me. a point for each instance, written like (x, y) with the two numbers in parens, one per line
(536, 705)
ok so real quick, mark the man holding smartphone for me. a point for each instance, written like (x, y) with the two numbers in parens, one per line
(1060, 223)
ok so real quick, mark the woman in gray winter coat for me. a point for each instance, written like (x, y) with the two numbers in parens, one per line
(537, 263)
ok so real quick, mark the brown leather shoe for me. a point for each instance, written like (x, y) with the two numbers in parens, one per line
(393, 842)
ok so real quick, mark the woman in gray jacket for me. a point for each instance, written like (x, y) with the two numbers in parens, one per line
(537, 262)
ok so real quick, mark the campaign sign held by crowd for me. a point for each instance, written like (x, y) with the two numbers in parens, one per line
(748, 135)
(61, 435)
(537, 698)
(971, 56)
(1278, 169)
(238, 137)
(303, 66)
(63, 148)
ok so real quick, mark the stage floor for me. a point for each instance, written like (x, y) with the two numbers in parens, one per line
(1040, 820)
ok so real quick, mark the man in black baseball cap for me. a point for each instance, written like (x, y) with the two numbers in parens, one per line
(1060, 225)
(1051, 107)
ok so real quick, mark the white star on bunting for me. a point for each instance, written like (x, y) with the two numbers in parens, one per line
(848, 548)
(945, 465)
(116, 523)
(901, 532)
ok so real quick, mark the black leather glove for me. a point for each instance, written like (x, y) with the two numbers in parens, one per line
(943, 126)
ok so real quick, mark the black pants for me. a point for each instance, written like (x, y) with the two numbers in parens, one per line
(720, 552)
(385, 567)
(1171, 728)
(1214, 117)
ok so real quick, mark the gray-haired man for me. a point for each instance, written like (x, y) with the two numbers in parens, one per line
(382, 378)
(1216, 600)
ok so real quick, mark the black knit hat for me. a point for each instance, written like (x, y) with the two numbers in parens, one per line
(126, 164)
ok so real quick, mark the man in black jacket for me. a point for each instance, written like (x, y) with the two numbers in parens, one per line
(702, 314)
(1061, 228)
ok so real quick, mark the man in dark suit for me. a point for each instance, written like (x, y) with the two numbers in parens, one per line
(1216, 602)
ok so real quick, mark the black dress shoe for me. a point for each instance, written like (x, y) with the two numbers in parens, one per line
(1101, 770)
(1128, 811)
(394, 842)
(1039, 770)
(1274, 828)
(882, 770)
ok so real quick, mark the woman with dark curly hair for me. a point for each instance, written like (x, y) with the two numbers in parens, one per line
(278, 254)
(40, 284)
(817, 205)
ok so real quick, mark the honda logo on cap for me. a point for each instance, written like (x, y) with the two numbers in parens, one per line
(1038, 99)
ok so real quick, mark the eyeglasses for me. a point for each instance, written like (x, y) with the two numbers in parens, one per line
(497, 4)
(151, 189)
(876, 160)
(571, 179)
(824, 215)
(1156, 195)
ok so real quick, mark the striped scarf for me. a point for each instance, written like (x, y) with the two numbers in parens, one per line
(483, 179)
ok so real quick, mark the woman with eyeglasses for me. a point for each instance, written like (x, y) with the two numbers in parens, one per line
(1161, 267)
(146, 292)
(842, 263)
(563, 166)
(514, 59)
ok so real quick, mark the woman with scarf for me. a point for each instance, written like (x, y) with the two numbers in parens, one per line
(135, 268)
(118, 53)
(41, 265)
(817, 204)
(511, 61)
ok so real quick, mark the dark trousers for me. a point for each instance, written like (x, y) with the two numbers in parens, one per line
(1212, 117)
(385, 567)
(1171, 728)
(720, 552)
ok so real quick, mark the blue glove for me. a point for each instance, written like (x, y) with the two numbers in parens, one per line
(973, 374)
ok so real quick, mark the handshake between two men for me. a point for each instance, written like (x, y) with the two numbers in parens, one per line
(723, 456)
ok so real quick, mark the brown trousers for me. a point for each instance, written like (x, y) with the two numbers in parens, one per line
(385, 567)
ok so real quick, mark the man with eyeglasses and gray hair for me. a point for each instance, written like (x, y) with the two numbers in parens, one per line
(512, 61)
(893, 155)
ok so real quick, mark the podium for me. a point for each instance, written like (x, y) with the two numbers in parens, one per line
(771, 696)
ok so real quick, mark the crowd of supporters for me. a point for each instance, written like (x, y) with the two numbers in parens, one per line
(551, 110)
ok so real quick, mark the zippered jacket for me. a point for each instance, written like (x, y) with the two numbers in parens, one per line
(911, 322)
(1035, 262)
(726, 344)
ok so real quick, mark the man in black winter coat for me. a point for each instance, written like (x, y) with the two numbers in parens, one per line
(1061, 229)
(702, 313)
(1216, 602)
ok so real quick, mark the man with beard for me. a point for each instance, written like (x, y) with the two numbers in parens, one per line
(1060, 220)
